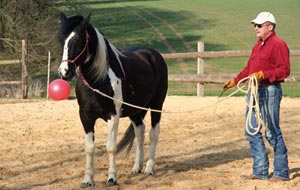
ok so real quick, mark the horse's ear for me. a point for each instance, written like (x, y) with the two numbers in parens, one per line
(63, 17)
(86, 20)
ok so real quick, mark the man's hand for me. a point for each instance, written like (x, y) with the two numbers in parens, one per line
(228, 84)
(259, 75)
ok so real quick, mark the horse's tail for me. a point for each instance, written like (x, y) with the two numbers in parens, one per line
(127, 140)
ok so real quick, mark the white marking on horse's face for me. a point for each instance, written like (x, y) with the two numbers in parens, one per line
(64, 67)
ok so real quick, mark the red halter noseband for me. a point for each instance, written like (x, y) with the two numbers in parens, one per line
(87, 37)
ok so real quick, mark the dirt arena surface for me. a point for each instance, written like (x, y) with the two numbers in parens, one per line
(42, 147)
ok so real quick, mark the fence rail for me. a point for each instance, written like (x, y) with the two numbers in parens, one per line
(216, 54)
(202, 78)
(10, 82)
(10, 62)
(213, 78)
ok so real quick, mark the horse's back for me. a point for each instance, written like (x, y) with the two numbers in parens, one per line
(146, 75)
(143, 57)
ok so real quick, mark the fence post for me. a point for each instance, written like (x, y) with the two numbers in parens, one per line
(24, 69)
(200, 69)
(48, 75)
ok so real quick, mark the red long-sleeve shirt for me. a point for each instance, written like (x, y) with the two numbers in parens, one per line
(271, 57)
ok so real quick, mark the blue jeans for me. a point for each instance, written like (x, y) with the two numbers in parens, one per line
(269, 103)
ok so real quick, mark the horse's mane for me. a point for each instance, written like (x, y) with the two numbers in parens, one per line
(100, 61)
(100, 64)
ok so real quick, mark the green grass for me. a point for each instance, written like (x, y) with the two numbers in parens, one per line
(220, 24)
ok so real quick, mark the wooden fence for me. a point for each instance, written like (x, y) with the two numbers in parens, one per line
(24, 79)
(202, 78)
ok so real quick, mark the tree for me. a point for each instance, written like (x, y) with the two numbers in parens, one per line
(34, 20)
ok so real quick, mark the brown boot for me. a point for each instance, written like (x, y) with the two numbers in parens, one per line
(251, 177)
(277, 179)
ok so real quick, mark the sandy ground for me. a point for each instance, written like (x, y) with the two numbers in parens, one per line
(42, 147)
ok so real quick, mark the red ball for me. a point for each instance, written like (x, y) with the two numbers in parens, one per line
(59, 89)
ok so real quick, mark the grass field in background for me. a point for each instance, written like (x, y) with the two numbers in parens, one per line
(177, 26)
(221, 25)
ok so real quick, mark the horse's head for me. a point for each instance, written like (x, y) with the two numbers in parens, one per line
(74, 40)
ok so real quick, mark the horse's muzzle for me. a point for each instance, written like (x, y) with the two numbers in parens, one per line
(66, 71)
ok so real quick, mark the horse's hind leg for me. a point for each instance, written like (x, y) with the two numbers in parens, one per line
(139, 130)
(154, 135)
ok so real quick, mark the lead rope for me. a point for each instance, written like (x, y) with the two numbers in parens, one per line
(143, 108)
(79, 73)
(252, 90)
(251, 85)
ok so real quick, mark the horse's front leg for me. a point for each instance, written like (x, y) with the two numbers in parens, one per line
(88, 123)
(88, 179)
(111, 147)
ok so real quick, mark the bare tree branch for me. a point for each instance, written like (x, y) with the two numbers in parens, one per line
(35, 21)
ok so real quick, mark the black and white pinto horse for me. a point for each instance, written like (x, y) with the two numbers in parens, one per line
(136, 75)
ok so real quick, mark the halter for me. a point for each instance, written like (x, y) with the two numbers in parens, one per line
(87, 38)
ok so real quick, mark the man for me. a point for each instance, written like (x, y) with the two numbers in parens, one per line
(269, 63)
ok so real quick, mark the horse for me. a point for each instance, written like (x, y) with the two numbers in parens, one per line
(135, 75)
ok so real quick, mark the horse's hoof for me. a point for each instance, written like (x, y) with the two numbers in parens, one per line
(133, 172)
(111, 182)
(146, 175)
(149, 173)
(87, 184)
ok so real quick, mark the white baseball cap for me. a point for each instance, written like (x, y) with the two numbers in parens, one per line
(264, 17)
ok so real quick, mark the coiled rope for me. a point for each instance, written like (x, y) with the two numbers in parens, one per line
(253, 104)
